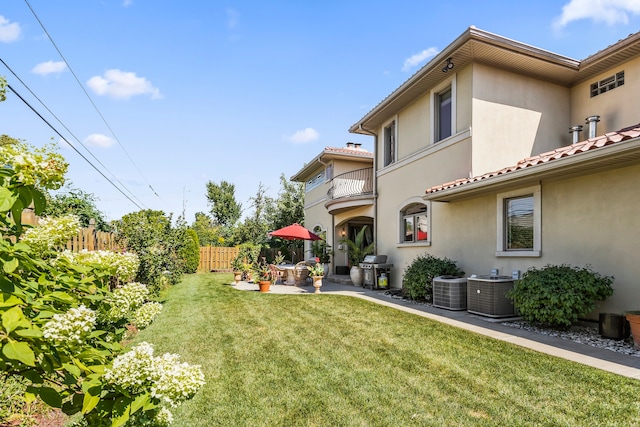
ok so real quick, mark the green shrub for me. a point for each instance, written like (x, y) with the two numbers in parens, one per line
(191, 251)
(557, 295)
(417, 278)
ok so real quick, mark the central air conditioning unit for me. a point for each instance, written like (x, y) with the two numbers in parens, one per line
(486, 295)
(450, 292)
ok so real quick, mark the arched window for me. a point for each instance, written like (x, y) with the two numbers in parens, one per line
(415, 223)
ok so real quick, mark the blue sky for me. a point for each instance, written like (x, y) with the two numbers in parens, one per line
(187, 92)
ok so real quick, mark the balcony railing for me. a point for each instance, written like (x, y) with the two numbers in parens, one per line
(355, 183)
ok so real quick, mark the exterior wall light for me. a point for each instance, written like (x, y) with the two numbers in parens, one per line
(448, 66)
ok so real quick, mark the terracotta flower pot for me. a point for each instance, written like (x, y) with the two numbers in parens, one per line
(237, 276)
(264, 285)
(634, 323)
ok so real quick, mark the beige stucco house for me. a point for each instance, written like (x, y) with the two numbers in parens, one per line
(338, 197)
(494, 134)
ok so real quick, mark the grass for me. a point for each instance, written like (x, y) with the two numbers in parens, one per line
(331, 360)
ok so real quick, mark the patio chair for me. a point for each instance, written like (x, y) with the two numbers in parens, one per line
(301, 273)
(276, 274)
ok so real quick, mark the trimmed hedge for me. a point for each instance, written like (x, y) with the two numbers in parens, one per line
(417, 278)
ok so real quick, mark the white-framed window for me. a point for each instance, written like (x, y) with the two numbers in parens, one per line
(519, 223)
(389, 140)
(415, 223)
(315, 180)
(443, 117)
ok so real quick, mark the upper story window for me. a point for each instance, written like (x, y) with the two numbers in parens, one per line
(443, 110)
(316, 180)
(519, 223)
(607, 84)
(415, 223)
(389, 143)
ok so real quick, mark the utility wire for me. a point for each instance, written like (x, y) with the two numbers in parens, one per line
(67, 129)
(71, 145)
(89, 97)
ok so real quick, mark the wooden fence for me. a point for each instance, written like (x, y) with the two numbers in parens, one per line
(214, 258)
(87, 239)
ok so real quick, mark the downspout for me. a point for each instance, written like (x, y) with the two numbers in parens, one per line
(333, 218)
(375, 183)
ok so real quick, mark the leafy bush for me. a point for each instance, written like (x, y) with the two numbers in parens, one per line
(417, 278)
(191, 251)
(557, 295)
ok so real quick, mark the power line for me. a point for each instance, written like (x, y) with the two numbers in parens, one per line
(71, 145)
(67, 129)
(90, 99)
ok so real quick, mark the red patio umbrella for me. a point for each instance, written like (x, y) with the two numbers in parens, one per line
(295, 232)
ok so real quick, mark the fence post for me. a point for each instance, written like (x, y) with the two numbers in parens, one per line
(91, 235)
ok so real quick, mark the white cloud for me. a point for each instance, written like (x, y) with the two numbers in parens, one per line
(232, 18)
(99, 140)
(415, 60)
(122, 85)
(9, 31)
(609, 11)
(49, 67)
(304, 136)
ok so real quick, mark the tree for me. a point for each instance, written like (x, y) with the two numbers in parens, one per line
(225, 209)
(208, 233)
(149, 234)
(79, 203)
(255, 227)
(288, 207)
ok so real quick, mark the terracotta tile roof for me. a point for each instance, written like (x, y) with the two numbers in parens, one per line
(570, 150)
(349, 151)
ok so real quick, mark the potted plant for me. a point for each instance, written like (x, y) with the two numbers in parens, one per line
(356, 253)
(237, 266)
(634, 322)
(322, 252)
(317, 273)
(263, 275)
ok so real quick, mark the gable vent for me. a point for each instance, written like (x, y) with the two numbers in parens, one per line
(607, 84)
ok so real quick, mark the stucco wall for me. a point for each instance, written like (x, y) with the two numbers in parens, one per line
(617, 108)
(587, 220)
(515, 117)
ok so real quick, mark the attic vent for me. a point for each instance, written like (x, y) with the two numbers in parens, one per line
(607, 84)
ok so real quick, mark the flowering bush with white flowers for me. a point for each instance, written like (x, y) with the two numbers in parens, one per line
(51, 233)
(144, 315)
(126, 299)
(54, 334)
(40, 167)
(168, 379)
(71, 328)
(123, 266)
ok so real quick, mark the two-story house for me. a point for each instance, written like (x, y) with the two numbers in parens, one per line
(338, 197)
(480, 142)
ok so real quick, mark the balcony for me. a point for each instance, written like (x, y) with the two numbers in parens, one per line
(350, 190)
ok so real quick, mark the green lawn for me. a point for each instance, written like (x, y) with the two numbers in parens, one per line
(331, 360)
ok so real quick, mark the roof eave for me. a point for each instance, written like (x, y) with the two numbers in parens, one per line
(609, 157)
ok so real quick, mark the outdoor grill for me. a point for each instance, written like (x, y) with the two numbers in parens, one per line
(373, 267)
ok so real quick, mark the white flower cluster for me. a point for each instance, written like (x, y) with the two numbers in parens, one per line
(43, 167)
(122, 265)
(52, 232)
(125, 299)
(144, 315)
(71, 328)
(168, 379)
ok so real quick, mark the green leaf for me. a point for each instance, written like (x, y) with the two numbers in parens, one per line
(16, 212)
(121, 408)
(12, 318)
(8, 300)
(50, 396)
(139, 402)
(72, 369)
(89, 402)
(11, 265)
(39, 201)
(7, 199)
(60, 296)
(19, 351)
(29, 333)
(33, 376)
